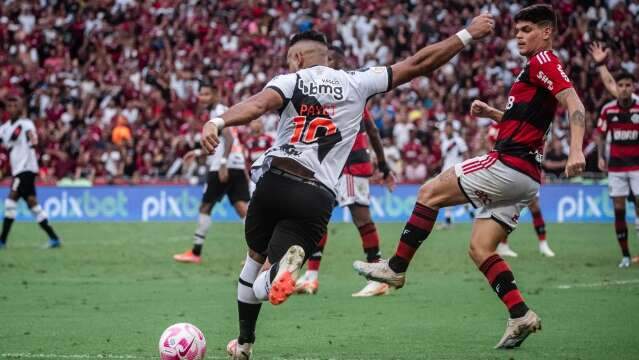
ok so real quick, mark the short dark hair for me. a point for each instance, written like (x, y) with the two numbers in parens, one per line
(540, 14)
(625, 75)
(309, 35)
(337, 49)
(206, 83)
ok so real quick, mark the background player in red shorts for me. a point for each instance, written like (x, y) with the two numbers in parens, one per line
(505, 180)
(353, 190)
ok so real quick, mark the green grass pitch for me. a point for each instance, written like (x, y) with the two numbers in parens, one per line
(113, 288)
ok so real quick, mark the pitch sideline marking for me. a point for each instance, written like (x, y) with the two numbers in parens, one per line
(599, 284)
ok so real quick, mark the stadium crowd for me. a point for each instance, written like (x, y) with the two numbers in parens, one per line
(112, 85)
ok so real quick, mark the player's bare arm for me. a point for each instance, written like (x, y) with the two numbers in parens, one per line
(433, 56)
(569, 99)
(378, 148)
(599, 54)
(601, 157)
(33, 138)
(240, 114)
(481, 109)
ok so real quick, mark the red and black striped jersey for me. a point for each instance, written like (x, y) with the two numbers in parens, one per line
(359, 161)
(256, 145)
(623, 126)
(529, 112)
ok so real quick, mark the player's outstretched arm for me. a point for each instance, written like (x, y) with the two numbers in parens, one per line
(599, 54)
(240, 114)
(577, 114)
(481, 109)
(433, 56)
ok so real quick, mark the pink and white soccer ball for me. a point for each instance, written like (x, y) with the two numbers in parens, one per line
(182, 341)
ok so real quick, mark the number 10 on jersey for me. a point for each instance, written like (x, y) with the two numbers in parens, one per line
(308, 131)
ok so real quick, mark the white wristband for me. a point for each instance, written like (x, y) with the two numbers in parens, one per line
(218, 122)
(465, 37)
(197, 152)
(223, 161)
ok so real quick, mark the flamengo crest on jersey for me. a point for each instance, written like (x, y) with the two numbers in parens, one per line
(529, 112)
(622, 125)
(321, 117)
(14, 138)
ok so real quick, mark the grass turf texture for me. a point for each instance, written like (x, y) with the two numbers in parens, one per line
(113, 288)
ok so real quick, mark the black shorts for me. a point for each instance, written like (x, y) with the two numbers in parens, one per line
(285, 212)
(24, 184)
(236, 187)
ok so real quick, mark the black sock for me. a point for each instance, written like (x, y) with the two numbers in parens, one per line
(6, 227)
(44, 224)
(197, 249)
(448, 220)
(248, 314)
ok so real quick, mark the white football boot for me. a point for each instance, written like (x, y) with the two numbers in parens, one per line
(545, 250)
(518, 329)
(503, 249)
(373, 288)
(239, 351)
(380, 271)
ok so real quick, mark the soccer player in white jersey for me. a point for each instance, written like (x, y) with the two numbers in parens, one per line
(320, 114)
(18, 135)
(454, 151)
(501, 183)
(227, 176)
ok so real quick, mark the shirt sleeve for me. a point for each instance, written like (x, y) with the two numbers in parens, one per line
(374, 80)
(547, 72)
(602, 122)
(284, 85)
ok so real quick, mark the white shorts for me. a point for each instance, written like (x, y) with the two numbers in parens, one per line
(353, 190)
(620, 183)
(498, 191)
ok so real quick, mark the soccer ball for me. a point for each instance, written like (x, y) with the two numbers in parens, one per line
(182, 341)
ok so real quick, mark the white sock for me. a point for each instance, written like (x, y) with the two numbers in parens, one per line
(39, 214)
(10, 208)
(262, 285)
(248, 275)
(311, 275)
(203, 225)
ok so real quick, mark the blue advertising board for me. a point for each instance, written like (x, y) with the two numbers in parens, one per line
(559, 203)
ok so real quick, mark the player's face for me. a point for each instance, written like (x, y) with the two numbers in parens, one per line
(626, 88)
(205, 96)
(13, 108)
(531, 37)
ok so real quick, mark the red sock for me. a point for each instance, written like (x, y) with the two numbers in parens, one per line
(370, 242)
(540, 225)
(415, 232)
(315, 259)
(502, 280)
(621, 228)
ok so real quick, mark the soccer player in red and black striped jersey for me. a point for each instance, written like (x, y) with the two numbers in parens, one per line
(619, 119)
(353, 192)
(505, 180)
(503, 249)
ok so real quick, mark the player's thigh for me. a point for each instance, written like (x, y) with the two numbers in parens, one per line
(486, 235)
(442, 191)
(213, 190)
(618, 184)
(633, 180)
(238, 188)
(26, 188)
(258, 226)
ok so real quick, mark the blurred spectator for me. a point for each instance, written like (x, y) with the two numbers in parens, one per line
(80, 64)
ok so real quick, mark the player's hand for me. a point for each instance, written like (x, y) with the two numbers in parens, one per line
(598, 52)
(210, 138)
(223, 174)
(602, 165)
(189, 156)
(576, 163)
(481, 26)
(387, 175)
(479, 108)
